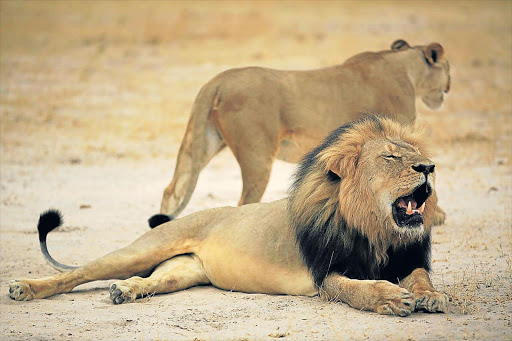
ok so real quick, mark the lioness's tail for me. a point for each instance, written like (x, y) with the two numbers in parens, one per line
(48, 221)
(201, 143)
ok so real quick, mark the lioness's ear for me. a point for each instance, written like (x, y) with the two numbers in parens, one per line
(399, 44)
(433, 52)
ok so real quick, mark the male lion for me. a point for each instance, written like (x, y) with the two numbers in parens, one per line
(355, 229)
(262, 113)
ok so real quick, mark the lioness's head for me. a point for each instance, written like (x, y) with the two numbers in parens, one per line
(433, 74)
(373, 176)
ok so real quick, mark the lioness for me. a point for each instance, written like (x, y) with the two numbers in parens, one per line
(355, 229)
(262, 113)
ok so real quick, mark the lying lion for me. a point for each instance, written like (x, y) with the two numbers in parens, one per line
(263, 114)
(355, 229)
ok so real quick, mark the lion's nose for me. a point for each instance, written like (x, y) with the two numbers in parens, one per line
(424, 168)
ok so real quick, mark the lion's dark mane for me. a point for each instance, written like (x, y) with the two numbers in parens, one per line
(331, 246)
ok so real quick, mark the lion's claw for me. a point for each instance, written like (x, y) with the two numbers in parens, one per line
(121, 294)
(392, 308)
(432, 301)
(393, 300)
(20, 290)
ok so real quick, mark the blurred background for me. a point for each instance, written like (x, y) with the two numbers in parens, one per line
(86, 80)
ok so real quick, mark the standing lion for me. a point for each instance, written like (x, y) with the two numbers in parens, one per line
(262, 114)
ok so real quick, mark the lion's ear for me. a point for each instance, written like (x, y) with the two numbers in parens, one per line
(399, 44)
(433, 52)
(348, 165)
(344, 163)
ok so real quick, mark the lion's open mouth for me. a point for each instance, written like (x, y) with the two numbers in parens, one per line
(408, 210)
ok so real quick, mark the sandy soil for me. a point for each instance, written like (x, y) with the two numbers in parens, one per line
(94, 98)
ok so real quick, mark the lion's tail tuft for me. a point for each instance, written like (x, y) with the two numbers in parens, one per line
(48, 221)
(159, 219)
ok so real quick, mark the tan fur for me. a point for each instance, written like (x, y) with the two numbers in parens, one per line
(426, 297)
(253, 248)
(264, 114)
(354, 195)
(382, 297)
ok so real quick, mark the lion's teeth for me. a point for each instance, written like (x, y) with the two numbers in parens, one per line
(409, 208)
(422, 208)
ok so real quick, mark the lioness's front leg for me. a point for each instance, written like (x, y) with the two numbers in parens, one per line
(382, 297)
(439, 216)
(425, 296)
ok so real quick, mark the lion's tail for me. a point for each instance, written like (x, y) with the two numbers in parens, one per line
(201, 143)
(48, 221)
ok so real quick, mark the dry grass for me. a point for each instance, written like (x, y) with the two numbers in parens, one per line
(465, 292)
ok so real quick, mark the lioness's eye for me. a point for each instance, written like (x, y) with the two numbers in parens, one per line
(392, 157)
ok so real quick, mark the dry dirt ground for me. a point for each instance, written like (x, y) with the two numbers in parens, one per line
(94, 98)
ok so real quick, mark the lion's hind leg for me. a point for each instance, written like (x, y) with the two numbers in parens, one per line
(174, 274)
(137, 259)
(29, 289)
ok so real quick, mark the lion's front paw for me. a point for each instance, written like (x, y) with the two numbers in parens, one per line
(393, 300)
(20, 290)
(432, 301)
(120, 293)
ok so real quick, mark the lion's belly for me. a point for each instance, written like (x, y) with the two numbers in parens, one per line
(231, 269)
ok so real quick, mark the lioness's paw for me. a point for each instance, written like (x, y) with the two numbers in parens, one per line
(120, 293)
(20, 290)
(432, 301)
(393, 300)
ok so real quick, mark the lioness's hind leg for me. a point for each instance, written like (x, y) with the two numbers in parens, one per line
(175, 274)
(192, 158)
